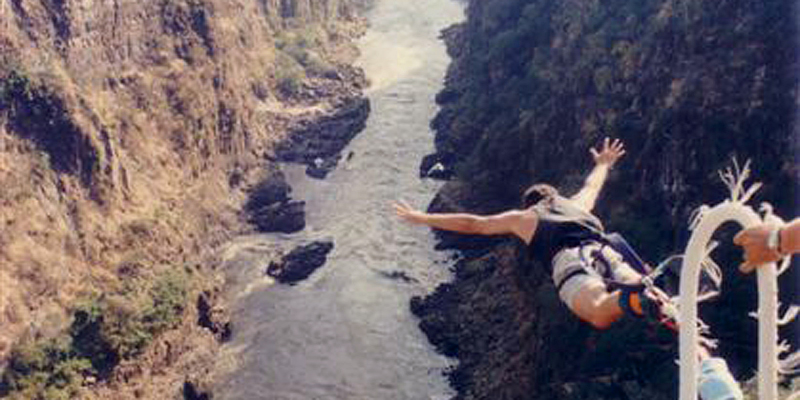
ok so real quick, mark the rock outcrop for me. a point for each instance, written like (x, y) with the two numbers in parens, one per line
(318, 143)
(437, 166)
(214, 316)
(300, 263)
(534, 84)
(285, 217)
(271, 209)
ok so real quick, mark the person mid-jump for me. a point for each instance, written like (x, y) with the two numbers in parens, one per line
(563, 234)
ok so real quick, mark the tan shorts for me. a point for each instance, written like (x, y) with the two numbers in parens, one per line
(584, 258)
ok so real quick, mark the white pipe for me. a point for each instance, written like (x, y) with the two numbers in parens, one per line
(708, 223)
(767, 332)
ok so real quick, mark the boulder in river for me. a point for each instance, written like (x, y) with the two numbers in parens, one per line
(270, 207)
(273, 188)
(437, 166)
(286, 217)
(300, 263)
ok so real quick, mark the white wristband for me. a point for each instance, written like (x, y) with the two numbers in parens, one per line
(774, 240)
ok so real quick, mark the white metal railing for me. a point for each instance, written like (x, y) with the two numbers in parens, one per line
(703, 225)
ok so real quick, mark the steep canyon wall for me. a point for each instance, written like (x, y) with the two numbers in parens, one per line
(687, 85)
(129, 134)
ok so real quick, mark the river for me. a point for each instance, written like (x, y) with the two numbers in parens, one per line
(346, 332)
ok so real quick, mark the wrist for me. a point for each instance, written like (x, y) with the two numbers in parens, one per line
(774, 240)
(781, 242)
(606, 165)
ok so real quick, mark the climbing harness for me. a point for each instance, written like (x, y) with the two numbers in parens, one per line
(656, 303)
(600, 260)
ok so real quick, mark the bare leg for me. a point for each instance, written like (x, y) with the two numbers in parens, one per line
(591, 300)
(596, 306)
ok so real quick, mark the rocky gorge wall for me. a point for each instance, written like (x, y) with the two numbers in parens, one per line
(687, 85)
(131, 134)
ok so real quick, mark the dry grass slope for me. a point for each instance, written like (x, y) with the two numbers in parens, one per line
(124, 131)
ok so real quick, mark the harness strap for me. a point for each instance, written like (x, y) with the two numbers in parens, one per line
(581, 269)
(618, 243)
(625, 301)
(598, 257)
(572, 272)
(656, 307)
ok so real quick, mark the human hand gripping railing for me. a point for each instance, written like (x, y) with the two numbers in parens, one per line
(704, 224)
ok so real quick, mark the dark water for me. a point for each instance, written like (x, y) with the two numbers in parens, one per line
(347, 332)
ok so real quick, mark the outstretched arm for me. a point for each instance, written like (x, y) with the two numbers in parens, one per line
(498, 224)
(604, 160)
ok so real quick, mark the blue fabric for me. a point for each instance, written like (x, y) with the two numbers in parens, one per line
(618, 243)
(716, 382)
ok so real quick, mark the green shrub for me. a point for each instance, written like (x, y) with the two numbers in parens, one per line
(289, 74)
(15, 86)
(302, 49)
(45, 369)
(316, 65)
(168, 299)
(311, 38)
(105, 330)
(297, 53)
(117, 327)
(88, 338)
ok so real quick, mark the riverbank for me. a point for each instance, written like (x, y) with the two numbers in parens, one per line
(345, 331)
(186, 360)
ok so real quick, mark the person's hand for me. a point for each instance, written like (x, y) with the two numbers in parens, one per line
(408, 213)
(609, 153)
(756, 251)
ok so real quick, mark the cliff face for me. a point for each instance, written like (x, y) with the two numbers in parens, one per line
(686, 86)
(130, 131)
(535, 83)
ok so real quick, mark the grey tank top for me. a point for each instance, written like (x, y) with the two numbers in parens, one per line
(561, 225)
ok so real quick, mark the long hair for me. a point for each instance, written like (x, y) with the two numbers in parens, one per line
(537, 193)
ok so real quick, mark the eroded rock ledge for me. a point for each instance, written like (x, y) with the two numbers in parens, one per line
(318, 142)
